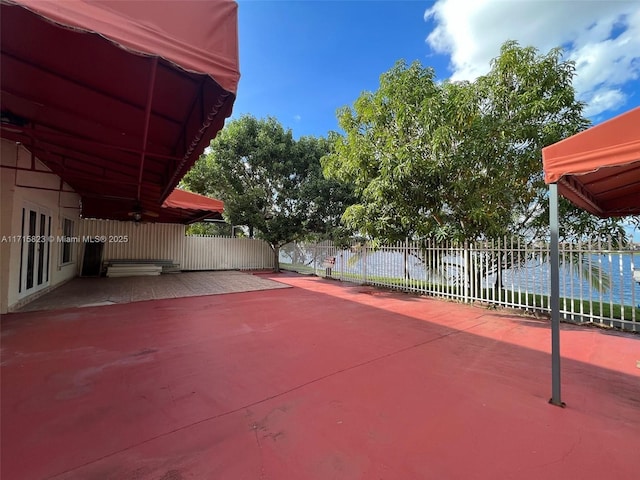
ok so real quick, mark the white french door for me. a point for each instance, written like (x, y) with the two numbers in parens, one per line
(35, 249)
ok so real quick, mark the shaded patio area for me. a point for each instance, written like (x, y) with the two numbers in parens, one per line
(319, 381)
(93, 292)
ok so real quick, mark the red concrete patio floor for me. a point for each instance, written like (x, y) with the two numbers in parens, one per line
(319, 381)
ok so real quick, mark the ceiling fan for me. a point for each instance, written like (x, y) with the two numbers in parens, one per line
(138, 213)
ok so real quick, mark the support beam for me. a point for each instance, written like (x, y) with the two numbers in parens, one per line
(76, 176)
(45, 136)
(577, 188)
(217, 114)
(147, 118)
(555, 296)
(59, 80)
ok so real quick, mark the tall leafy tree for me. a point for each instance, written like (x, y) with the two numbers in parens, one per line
(270, 182)
(460, 160)
(385, 154)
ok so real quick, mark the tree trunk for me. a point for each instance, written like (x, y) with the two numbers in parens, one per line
(250, 231)
(276, 258)
(498, 284)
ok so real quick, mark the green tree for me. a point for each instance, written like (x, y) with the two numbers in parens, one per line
(270, 182)
(210, 228)
(384, 154)
(460, 160)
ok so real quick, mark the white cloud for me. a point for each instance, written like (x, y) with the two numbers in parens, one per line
(603, 100)
(297, 118)
(471, 33)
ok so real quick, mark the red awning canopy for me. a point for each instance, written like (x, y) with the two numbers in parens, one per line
(599, 169)
(117, 98)
(187, 207)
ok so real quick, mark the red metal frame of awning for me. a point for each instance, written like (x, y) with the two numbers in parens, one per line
(117, 98)
(598, 170)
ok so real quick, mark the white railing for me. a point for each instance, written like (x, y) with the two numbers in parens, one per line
(204, 252)
(596, 280)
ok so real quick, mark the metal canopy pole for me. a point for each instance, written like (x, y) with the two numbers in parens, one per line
(555, 296)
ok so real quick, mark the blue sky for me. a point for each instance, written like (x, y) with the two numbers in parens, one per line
(301, 60)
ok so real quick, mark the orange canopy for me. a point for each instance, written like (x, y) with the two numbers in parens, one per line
(117, 98)
(599, 169)
(192, 201)
(197, 36)
(187, 207)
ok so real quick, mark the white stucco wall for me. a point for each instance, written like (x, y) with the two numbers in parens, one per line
(40, 189)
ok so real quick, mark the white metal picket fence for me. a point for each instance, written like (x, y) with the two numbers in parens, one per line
(596, 280)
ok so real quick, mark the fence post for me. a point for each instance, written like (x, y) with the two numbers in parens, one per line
(314, 248)
(467, 272)
(183, 260)
(364, 263)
